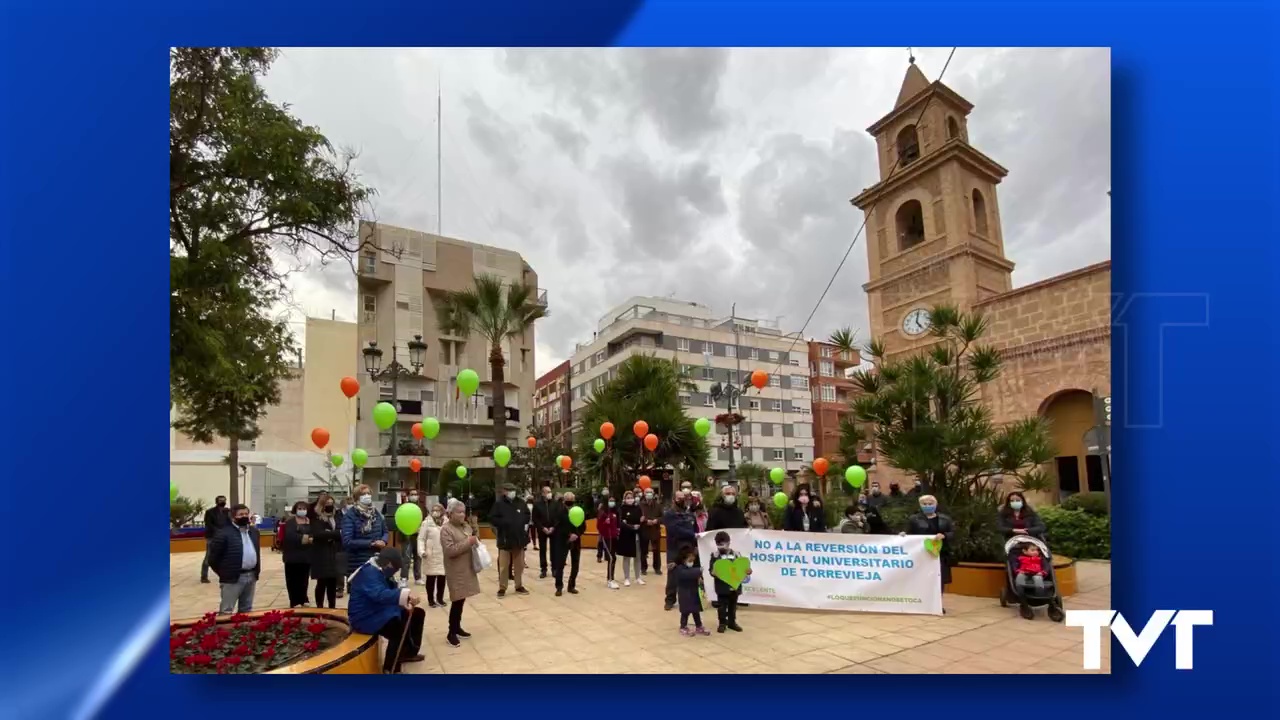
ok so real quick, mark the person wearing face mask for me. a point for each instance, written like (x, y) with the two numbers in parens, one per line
(325, 538)
(875, 522)
(916, 491)
(602, 501)
(757, 518)
(699, 510)
(215, 518)
(457, 541)
(1017, 518)
(876, 499)
(895, 491)
(725, 513)
(543, 525)
(566, 546)
(803, 513)
(378, 606)
(510, 520)
(629, 528)
(682, 538)
(432, 553)
(607, 534)
(650, 531)
(933, 523)
(364, 531)
(297, 554)
(235, 556)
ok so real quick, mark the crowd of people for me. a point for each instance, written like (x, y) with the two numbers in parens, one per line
(346, 547)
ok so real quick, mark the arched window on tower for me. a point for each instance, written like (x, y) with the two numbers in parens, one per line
(909, 221)
(979, 212)
(953, 127)
(908, 145)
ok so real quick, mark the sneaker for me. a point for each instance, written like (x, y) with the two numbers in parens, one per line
(432, 603)
(735, 627)
(640, 581)
(453, 640)
(720, 628)
(502, 594)
(626, 583)
(462, 633)
(686, 632)
(521, 591)
(612, 585)
(599, 559)
(418, 581)
(404, 584)
(701, 631)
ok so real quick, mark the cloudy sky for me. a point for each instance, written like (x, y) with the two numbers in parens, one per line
(712, 175)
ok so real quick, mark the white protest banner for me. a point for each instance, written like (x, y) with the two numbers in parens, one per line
(829, 571)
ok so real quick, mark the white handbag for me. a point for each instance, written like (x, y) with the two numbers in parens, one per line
(480, 558)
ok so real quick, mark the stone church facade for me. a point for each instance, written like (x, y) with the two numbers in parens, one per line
(934, 236)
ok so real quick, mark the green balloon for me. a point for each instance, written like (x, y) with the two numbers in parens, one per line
(598, 445)
(576, 516)
(359, 457)
(461, 472)
(384, 415)
(855, 476)
(780, 499)
(468, 382)
(558, 459)
(502, 455)
(702, 426)
(173, 491)
(777, 475)
(336, 460)
(408, 518)
(430, 428)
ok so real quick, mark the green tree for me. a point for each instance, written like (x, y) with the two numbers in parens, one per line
(646, 388)
(249, 185)
(537, 465)
(497, 312)
(930, 422)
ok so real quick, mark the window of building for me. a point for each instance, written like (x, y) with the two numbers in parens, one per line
(775, 405)
(777, 454)
(773, 356)
(682, 344)
(600, 357)
(707, 402)
(731, 351)
(775, 380)
(908, 145)
(795, 362)
(909, 221)
(797, 455)
(828, 393)
(755, 354)
(979, 212)
(685, 398)
(799, 382)
(708, 373)
(802, 409)
(825, 351)
(752, 404)
(953, 127)
(386, 391)
(370, 303)
(827, 368)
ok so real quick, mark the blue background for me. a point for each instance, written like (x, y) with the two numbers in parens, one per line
(83, 206)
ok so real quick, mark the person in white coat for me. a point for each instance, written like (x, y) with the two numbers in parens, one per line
(432, 554)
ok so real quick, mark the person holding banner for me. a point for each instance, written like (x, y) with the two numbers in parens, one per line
(726, 514)
(757, 517)
(931, 522)
(802, 515)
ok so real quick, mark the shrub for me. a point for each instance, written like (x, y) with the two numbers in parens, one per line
(1090, 502)
(1077, 533)
(183, 511)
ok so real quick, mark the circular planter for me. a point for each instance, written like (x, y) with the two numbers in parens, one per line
(357, 654)
(986, 579)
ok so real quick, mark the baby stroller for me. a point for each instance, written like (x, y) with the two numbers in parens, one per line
(1029, 597)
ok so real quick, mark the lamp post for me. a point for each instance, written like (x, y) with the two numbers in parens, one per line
(394, 371)
(730, 393)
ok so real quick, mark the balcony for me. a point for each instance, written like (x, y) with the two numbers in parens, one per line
(372, 272)
(846, 359)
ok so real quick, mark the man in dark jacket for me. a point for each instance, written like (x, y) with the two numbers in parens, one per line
(510, 520)
(650, 532)
(682, 530)
(215, 518)
(543, 524)
(234, 554)
(726, 515)
(566, 544)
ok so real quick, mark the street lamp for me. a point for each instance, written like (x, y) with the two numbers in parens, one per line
(393, 372)
(730, 393)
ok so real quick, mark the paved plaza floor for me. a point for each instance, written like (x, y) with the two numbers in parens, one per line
(626, 630)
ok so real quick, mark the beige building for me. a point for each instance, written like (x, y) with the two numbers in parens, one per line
(400, 283)
(934, 236)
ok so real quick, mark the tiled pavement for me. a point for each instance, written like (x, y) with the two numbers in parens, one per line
(582, 634)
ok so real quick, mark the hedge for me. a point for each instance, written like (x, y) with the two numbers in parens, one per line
(1077, 533)
(1090, 502)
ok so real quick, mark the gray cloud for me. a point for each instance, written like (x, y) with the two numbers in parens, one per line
(494, 135)
(570, 141)
(664, 209)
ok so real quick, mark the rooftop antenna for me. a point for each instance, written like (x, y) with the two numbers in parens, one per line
(911, 56)
(439, 159)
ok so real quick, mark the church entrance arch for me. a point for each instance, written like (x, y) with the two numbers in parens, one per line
(1070, 414)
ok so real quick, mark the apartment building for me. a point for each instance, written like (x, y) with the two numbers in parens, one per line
(778, 431)
(402, 275)
(833, 392)
(551, 409)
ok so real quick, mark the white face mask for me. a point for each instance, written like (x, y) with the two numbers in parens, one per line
(722, 548)
(688, 563)
(648, 496)
(730, 499)
(612, 503)
(753, 508)
(366, 499)
(511, 494)
(413, 498)
(301, 512)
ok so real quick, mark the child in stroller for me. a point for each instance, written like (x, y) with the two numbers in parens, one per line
(1031, 580)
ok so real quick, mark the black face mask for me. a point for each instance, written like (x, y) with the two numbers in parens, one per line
(222, 503)
(328, 508)
(568, 503)
(242, 521)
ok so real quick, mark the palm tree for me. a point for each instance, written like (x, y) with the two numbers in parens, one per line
(496, 312)
(846, 340)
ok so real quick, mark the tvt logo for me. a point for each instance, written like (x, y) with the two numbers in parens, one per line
(1139, 324)
(1138, 645)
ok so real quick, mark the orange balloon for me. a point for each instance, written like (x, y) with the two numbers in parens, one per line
(651, 442)
(820, 466)
(533, 441)
(759, 378)
(565, 462)
(417, 432)
(415, 464)
(645, 482)
(641, 428)
(606, 431)
(350, 386)
(320, 437)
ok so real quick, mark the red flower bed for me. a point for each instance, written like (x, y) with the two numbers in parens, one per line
(247, 645)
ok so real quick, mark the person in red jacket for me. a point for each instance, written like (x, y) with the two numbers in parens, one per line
(1030, 568)
(608, 529)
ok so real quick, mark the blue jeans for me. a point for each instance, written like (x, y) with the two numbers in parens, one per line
(239, 592)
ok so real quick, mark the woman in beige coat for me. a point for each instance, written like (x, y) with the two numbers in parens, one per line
(456, 540)
(432, 554)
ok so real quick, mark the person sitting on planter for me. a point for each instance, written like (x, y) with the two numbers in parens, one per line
(933, 523)
(379, 606)
(1017, 518)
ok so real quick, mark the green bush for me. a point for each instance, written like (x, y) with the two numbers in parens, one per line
(1077, 533)
(183, 511)
(1090, 502)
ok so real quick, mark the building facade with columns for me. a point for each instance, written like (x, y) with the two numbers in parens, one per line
(933, 235)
